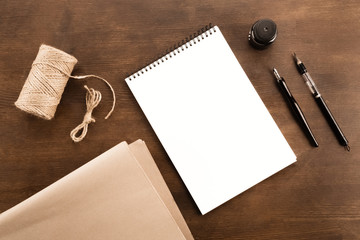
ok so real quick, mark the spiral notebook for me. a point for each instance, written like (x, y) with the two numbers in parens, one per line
(210, 120)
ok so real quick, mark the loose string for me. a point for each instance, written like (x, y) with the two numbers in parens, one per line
(83, 77)
(107, 83)
(93, 99)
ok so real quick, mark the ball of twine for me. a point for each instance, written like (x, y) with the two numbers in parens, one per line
(46, 81)
(45, 84)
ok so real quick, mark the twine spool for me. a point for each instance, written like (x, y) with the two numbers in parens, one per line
(45, 84)
(46, 81)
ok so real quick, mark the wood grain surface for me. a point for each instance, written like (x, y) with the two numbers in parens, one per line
(316, 198)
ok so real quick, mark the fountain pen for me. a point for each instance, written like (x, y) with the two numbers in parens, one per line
(295, 108)
(321, 103)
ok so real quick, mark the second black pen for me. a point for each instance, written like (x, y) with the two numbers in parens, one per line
(295, 108)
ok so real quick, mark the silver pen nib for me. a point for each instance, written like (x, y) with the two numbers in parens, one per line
(277, 75)
(298, 61)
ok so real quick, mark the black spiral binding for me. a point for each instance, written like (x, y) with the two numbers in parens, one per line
(176, 49)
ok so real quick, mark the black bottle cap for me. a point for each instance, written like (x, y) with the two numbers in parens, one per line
(262, 33)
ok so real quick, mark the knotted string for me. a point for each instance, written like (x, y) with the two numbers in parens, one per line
(93, 99)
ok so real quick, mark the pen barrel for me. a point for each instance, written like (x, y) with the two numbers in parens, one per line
(297, 112)
(331, 121)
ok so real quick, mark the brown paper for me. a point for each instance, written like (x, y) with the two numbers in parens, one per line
(142, 154)
(110, 197)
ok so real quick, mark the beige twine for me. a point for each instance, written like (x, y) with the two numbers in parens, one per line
(93, 99)
(45, 85)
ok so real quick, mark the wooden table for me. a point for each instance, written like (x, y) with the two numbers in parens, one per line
(316, 198)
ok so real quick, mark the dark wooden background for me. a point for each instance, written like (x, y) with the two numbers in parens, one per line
(316, 198)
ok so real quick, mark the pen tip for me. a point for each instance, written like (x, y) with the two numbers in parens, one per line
(277, 75)
(294, 56)
(297, 60)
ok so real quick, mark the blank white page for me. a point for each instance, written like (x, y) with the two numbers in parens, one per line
(210, 120)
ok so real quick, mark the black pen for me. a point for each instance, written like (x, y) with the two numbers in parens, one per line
(321, 103)
(296, 108)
